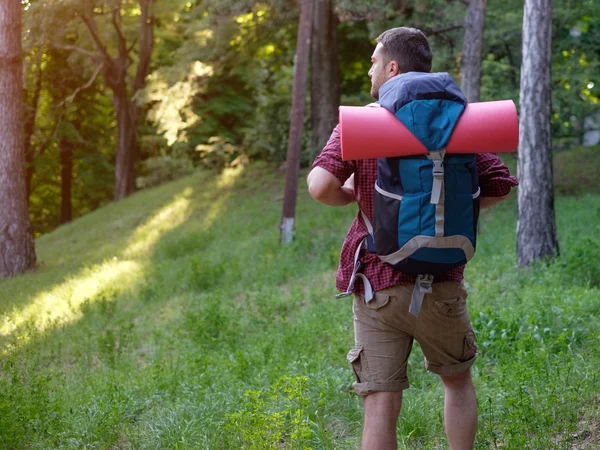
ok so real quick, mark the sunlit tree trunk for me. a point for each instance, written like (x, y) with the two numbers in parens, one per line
(296, 122)
(472, 49)
(536, 226)
(325, 73)
(17, 252)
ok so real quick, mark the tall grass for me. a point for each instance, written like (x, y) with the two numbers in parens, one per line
(174, 319)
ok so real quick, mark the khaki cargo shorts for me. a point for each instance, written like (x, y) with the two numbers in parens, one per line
(384, 332)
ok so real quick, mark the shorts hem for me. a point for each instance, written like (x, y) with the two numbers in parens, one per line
(366, 388)
(445, 371)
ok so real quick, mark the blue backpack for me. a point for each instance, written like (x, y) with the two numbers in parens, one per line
(426, 207)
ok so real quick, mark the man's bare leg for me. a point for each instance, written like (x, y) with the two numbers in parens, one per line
(381, 415)
(460, 411)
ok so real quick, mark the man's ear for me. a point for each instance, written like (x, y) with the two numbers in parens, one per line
(393, 69)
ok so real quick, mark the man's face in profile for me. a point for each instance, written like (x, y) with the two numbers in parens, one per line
(378, 72)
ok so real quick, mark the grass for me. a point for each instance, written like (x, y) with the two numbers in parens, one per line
(175, 320)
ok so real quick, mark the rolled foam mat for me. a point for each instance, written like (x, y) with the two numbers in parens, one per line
(374, 132)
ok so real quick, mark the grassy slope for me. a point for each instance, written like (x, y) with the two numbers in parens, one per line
(174, 319)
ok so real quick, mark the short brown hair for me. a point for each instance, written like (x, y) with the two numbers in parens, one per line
(409, 47)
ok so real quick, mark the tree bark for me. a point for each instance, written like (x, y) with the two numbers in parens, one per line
(325, 73)
(296, 121)
(66, 180)
(17, 251)
(472, 49)
(536, 225)
(126, 156)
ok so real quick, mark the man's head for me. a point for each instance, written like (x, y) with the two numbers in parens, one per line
(399, 50)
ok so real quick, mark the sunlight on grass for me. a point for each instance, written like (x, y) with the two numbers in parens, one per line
(169, 217)
(225, 182)
(63, 303)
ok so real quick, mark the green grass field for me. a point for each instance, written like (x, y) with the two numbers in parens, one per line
(175, 320)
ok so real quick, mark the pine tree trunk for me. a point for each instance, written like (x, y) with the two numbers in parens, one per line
(17, 252)
(472, 49)
(536, 226)
(296, 121)
(325, 73)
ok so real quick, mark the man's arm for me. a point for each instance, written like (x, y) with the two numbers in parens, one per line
(486, 202)
(326, 188)
(495, 180)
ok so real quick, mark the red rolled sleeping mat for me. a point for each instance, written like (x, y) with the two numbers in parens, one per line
(374, 132)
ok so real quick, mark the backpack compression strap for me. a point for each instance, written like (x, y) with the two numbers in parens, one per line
(357, 265)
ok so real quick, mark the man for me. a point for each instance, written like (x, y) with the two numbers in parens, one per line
(384, 329)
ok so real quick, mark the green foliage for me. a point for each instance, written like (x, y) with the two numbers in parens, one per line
(218, 153)
(581, 263)
(160, 169)
(219, 93)
(272, 418)
(577, 171)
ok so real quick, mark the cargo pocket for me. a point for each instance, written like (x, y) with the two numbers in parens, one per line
(379, 301)
(469, 347)
(454, 307)
(354, 358)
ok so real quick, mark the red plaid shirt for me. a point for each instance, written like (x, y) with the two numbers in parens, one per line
(494, 181)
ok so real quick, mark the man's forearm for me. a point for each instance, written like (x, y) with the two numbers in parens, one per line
(336, 197)
(327, 189)
(486, 202)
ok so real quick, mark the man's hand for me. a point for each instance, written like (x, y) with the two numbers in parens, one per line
(326, 188)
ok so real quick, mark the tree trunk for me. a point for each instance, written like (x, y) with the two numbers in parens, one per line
(66, 178)
(472, 49)
(536, 226)
(325, 73)
(126, 146)
(17, 252)
(115, 75)
(296, 121)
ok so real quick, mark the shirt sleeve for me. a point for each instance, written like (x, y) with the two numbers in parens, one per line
(331, 160)
(494, 177)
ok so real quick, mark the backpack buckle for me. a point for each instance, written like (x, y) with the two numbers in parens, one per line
(424, 282)
(422, 287)
(438, 168)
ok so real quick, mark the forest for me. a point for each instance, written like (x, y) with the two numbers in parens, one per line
(114, 104)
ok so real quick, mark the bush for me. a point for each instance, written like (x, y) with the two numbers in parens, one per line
(160, 169)
(577, 170)
(219, 153)
(581, 263)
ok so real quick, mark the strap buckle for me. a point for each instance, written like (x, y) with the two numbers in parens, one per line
(438, 168)
(422, 287)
